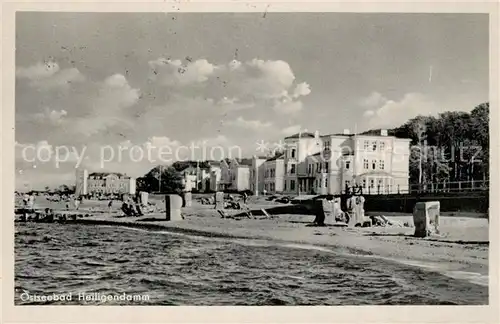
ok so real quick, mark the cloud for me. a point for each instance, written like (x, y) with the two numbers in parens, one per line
(302, 89)
(368, 113)
(291, 130)
(173, 72)
(375, 99)
(55, 117)
(162, 141)
(395, 113)
(108, 108)
(287, 107)
(186, 97)
(238, 85)
(249, 124)
(37, 71)
(47, 76)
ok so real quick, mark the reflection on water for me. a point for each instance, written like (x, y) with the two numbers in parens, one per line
(186, 270)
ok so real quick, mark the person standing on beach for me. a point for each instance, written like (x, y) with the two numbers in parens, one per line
(77, 202)
(31, 202)
(110, 205)
(245, 197)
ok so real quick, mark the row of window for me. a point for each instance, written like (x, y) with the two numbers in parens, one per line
(318, 183)
(370, 183)
(374, 145)
(318, 167)
(366, 164)
(270, 173)
(270, 187)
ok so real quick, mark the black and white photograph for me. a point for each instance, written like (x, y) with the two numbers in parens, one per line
(251, 158)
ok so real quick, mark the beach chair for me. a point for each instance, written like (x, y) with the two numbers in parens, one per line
(222, 213)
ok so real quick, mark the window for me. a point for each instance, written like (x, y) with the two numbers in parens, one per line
(381, 164)
(366, 145)
(382, 146)
(292, 169)
(364, 183)
(326, 182)
(292, 185)
(374, 164)
(318, 167)
(326, 144)
(347, 184)
(347, 165)
(380, 183)
(284, 186)
(293, 154)
(372, 183)
(326, 167)
(365, 164)
(374, 146)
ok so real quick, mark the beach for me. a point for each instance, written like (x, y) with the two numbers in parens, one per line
(462, 244)
(207, 260)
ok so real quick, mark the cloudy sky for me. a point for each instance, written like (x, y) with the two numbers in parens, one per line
(101, 81)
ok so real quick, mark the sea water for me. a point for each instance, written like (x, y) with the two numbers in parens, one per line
(173, 269)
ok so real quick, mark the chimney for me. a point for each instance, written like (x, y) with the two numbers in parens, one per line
(316, 134)
(383, 132)
(346, 131)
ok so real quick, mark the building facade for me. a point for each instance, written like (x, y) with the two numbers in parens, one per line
(274, 174)
(330, 164)
(257, 174)
(235, 175)
(99, 183)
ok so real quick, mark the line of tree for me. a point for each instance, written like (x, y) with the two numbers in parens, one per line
(451, 147)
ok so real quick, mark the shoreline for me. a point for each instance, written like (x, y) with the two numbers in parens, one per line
(452, 252)
(463, 245)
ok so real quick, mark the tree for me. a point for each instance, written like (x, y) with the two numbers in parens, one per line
(454, 146)
(168, 181)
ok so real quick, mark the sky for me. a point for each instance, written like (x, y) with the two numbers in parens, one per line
(127, 91)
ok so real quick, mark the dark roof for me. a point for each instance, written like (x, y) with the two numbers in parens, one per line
(104, 174)
(276, 157)
(338, 134)
(302, 135)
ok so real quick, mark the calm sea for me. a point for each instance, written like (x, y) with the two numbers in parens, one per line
(170, 269)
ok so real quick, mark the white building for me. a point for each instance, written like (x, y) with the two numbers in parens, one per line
(257, 174)
(98, 183)
(274, 174)
(235, 175)
(327, 164)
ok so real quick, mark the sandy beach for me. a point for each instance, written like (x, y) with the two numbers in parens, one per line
(462, 245)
